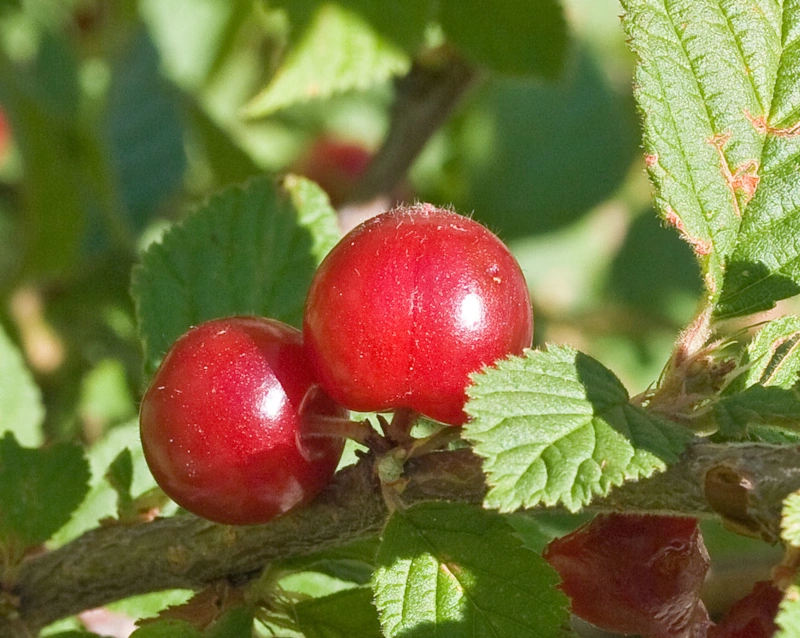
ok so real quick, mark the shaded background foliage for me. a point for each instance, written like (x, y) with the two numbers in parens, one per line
(124, 115)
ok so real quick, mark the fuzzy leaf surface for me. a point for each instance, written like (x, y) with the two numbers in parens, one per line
(249, 250)
(517, 37)
(556, 427)
(22, 412)
(454, 570)
(765, 267)
(762, 403)
(39, 489)
(790, 521)
(338, 52)
(706, 69)
(758, 405)
(788, 618)
(345, 614)
(774, 354)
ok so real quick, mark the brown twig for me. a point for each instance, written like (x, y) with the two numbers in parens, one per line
(112, 563)
(425, 98)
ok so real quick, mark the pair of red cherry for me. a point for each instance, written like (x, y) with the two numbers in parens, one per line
(398, 315)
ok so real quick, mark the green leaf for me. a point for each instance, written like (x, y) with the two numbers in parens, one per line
(22, 412)
(555, 426)
(788, 619)
(229, 163)
(454, 570)
(232, 624)
(766, 264)
(762, 404)
(345, 614)
(120, 477)
(144, 130)
(706, 68)
(401, 21)
(790, 521)
(736, 414)
(515, 36)
(354, 562)
(102, 500)
(338, 52)
(41, 103)
(772, 355)
(249, 250)
(39, 489)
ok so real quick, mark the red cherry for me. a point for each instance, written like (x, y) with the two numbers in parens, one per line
(335, 165)
(635, 574)
(221, 422)
(753, 616)
(407, 305)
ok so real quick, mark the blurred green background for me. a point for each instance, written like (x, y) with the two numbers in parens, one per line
(122, 115)
(119, 116)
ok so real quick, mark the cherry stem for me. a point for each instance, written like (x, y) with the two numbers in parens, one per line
(398, 430)
(319, 425)
(436, 441)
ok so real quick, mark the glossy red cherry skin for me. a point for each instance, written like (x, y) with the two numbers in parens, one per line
(635, 574)
(407, 305)
(221, 425)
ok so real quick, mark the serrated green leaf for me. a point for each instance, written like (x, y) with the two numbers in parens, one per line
(757, 405)
(454, 570)
(765, 267)
(101, 501)
(518, 37)
(772, 355)
(345, 614)
(788, 618)
(249, 250)
(22, 411)
(706, 69)
(790, 521)
(39, 489)
(338, 52)
(762, 405)
(555, 426)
